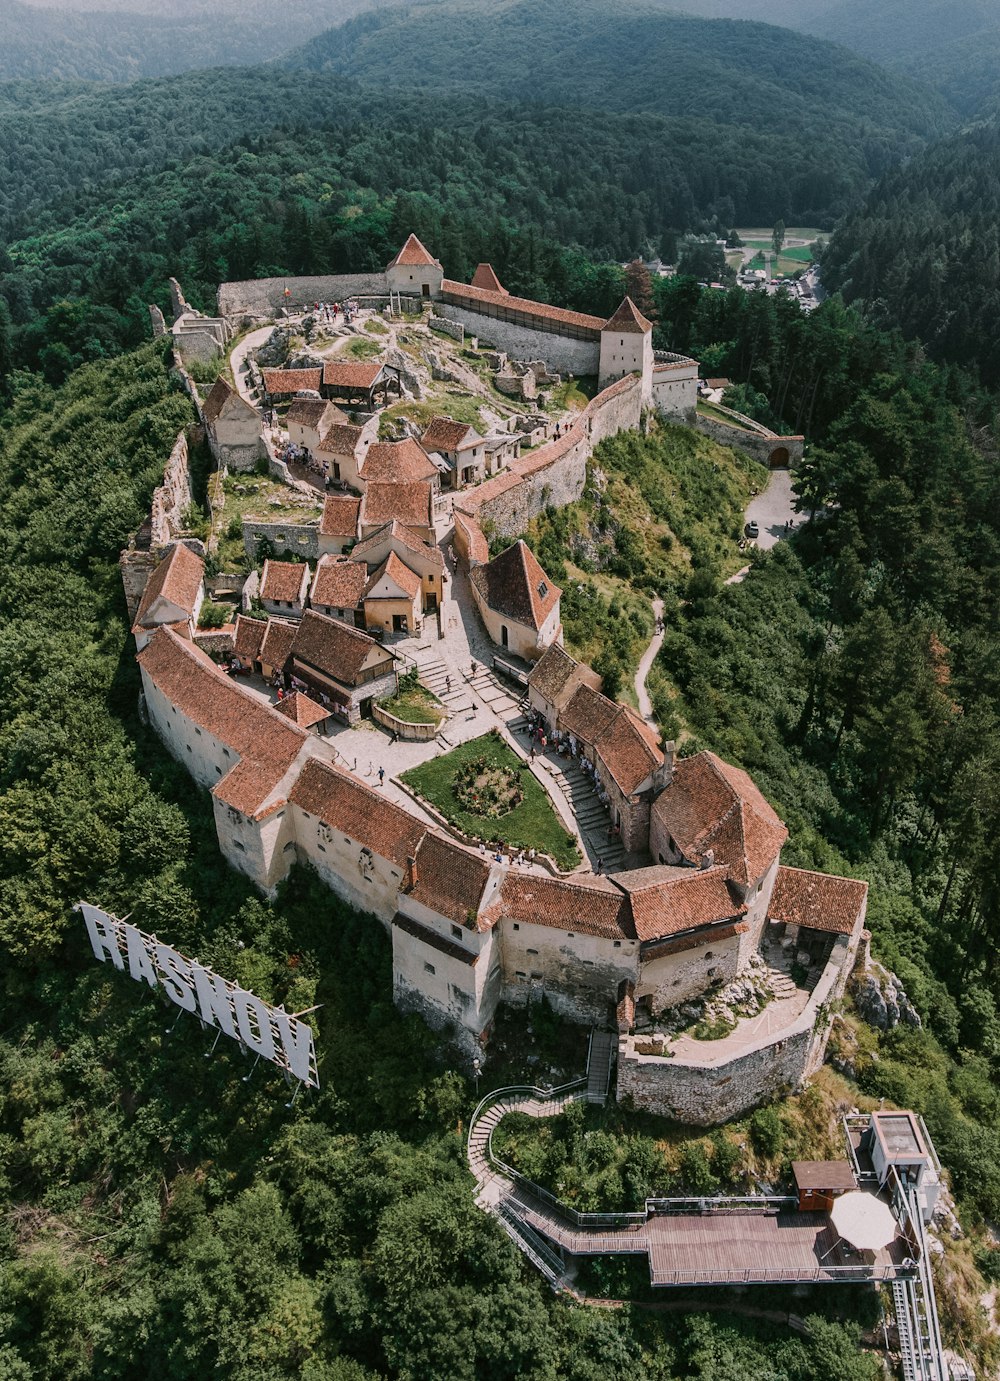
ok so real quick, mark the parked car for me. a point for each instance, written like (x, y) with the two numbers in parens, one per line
(752, 530)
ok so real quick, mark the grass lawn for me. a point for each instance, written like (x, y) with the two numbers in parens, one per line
(363, 349)
(532, 824)
(575, 393)
(255, 496)
(415, 705)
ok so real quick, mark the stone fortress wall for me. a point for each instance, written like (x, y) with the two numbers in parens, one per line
(562, 354)
(265, 297)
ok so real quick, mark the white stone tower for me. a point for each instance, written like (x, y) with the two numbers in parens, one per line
(627, 348)
(415, 272)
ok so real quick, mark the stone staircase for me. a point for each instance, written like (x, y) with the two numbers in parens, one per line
(591, 817)
(602, 1048)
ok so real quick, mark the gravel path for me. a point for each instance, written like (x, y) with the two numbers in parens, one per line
(648, 658)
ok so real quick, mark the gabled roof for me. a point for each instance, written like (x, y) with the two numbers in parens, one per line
(556, 676)
(338, 583)
(287, 581)
(410, 504)
(341, 439)
(398, 572)
(710, 804)
(312, 412)
(818, 901)
(514, 585)
(450, 880)
(629, 749)
(177, 579)
(335, 649)
(666, 901)
(276, 647)
(292, 380)
(413, 255)
(587, 714)
(576, 906)
(221, 393)
(301, 710)
(628, 319)
(397, 532)
(334, 797)
(445, 435)
(360, 374)
(340, 517)
(485, 277)
(248, 636)
(524, 306)
(396, 462)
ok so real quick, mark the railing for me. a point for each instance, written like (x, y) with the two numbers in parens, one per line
(774, 1276)
(520, 1091)
(761, 1203)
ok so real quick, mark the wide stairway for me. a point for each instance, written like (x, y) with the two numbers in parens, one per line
(592, 818)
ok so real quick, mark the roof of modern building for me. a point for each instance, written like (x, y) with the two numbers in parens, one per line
(514, 585)
(398, 572)
(266, 743)
(340, 516)
(333, 648)
(485, 277)
(276, 647)
(397, 462)
(248, 636)
(817, 901)
(410, 504)
(413, 255)
(397, 532)
(312, 412)
(341, 439)
(286, 581)
(709, 804)
(556, 676)
(523, 305)
(178, 579)
(666, 901)
(577, 906)
(449, 879)
(345, 804)
(292, 380)
(628, 319)
(443, 434)
(338, 583)
(360, 374)
(301, 710)
(833, 1175)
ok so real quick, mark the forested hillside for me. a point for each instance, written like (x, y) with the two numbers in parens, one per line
(924, 251)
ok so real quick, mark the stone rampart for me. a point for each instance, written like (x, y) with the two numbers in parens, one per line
(713, 1088)
(296, 539)
(173, 497)
(616, 409)
(447, 327)
(561, 353)
(770, 449)
(265, 297)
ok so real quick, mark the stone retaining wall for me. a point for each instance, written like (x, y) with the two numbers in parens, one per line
(402, 728)
(761, 446)
(299, 539)
(265, 297)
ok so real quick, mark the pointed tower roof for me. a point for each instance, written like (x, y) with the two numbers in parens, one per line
(628, 318)
(413, 255)
(514, 584)
(485, 277)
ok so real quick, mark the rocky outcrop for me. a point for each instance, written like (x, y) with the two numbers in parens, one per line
(274, 352)
(880, 999)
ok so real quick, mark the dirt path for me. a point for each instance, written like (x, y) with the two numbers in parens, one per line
(648, 658)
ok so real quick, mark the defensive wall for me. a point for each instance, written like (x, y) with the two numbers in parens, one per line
(297, 539)
(169, 503)
(562, 353)
(265, 297)
(743, 434)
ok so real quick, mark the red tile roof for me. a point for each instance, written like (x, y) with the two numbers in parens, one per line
(710, 804)
(398, 572)
(314, 412)
(477, 545)
(413, 255)
(521, 305)
(360, 374)
(410, 504)
(340, 517)
(666, 901)
(287, 581)
(397, 462)
(338, 583)
(398, 532)
(485, 277)
(445, 435)
(335, 649)
(629, 320)
(556, 676)
(249, 636)
(341, 439)
(818, 901)
(629, 750)
(178, 579)
(333, 796)
(514, 585)
(292, 380)
(266, 743)
(598, 909)
(301, 710)
(276, 648)
(219, 395)
(450, 880)
(587, 714)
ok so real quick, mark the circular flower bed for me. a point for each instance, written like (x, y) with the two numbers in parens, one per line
(484, 789)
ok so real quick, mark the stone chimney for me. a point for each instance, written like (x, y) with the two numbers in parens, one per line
(412, 874)
(663, 775)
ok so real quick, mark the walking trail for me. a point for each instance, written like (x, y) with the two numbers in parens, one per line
(648, 658)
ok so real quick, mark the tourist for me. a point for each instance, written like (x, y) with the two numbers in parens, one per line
(381, 775)
(599, 869)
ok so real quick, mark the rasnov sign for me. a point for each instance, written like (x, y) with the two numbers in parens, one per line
(270, 1032)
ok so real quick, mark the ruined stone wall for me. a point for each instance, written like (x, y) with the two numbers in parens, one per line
(167, 508)
(715, 1088)
(552, 476)
(265, 297)
(299, 539)
(563, 354)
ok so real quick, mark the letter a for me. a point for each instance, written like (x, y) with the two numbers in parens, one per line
(103, 932)
(139, 963)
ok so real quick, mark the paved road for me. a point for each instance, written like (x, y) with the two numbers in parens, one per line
(772, 509)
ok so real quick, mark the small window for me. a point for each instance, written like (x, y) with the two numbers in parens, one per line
(519, 973)
(536, 976)
(238, 845)
(532, 951)
(618, 944)
(456, 930)
(288, 846)
(516, 926)
(570, 935)
(218, 771)
(225, 752)
(543, 589)
(197, 731)
(708, 954)
(173, 709)
(306, 815)
(188, 747)
(429, 968)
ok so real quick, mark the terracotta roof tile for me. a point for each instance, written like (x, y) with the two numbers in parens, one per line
(333, 796)
(629, 320)
(626, 747)
(410, 504)
(478, 547)
(485, 277)
(397, 462)
(314, 412)
(360, 374)
(413, 255)
(818, 901)
(598, 909)
(292, 380)
(587, 714)
(285, 580)
(514, 585)
(445, 435)
(521, 305)
(710, 804)
(398, 572)
(341, 439)
(340, 517)
(398, 532)
(178, 579)
(276, 648)
(249, 636)
(301, 710)
(666, 901)
(335, 649)
(267, 744)
(338, 583)
(450, 880)
(556, 676)
(219, 395)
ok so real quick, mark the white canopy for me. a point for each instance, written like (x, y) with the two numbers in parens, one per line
(864, 1221)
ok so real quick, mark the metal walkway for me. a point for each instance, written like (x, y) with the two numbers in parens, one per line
(915, 1307)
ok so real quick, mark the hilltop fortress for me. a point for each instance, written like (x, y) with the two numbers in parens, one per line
(698, 903)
